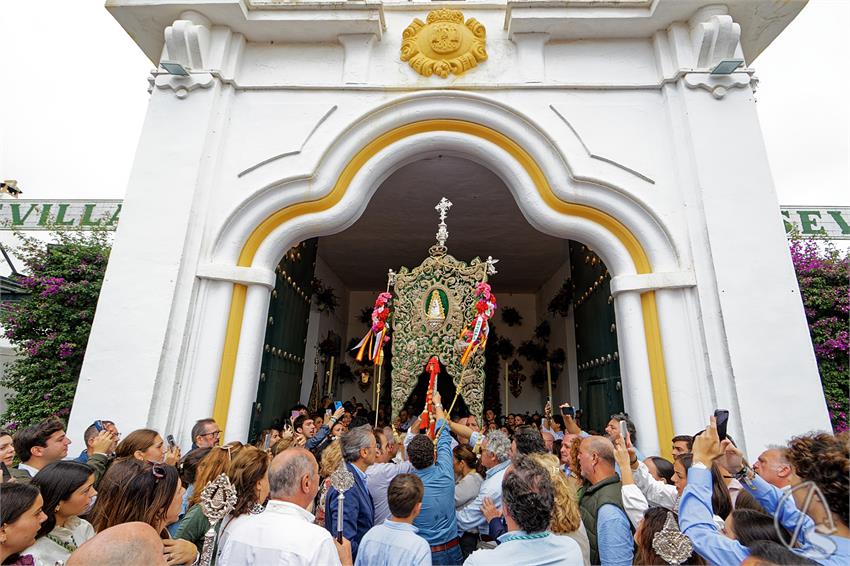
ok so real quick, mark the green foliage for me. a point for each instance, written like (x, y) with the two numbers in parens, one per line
(50, 326)
(823, 272)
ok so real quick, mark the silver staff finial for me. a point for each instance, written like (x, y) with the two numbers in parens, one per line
(442, 230)
(217, 500)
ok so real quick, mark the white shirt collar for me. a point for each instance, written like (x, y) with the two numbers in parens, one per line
(287, 508)
(32, 471)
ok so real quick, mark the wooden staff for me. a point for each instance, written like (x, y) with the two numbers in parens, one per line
(506, 387)
(549, 381)
(378, 367)
(331, 378)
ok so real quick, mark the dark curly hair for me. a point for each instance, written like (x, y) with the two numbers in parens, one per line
(528, 494)
(825, 460)
(420, 452)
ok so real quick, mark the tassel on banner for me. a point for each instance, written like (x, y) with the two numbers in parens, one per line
(375, 338)
(477, 337)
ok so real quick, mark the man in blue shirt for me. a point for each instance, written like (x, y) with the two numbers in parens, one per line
(601, 505)
(395, 542)
(529, 499)
(436, 522)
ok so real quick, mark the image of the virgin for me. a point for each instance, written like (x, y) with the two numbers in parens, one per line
(436, 307)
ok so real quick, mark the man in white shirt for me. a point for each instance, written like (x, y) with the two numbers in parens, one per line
(285, 533)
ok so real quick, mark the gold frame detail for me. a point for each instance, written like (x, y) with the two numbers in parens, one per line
(445, 44)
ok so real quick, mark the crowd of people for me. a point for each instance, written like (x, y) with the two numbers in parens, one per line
(514, 490)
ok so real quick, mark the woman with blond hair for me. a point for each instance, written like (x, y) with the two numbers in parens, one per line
(194, 524)
(331, 460)
(566, 519)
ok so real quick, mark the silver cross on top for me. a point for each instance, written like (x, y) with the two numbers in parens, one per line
(442, 230)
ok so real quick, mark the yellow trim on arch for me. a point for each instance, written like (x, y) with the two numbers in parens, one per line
(630, 242)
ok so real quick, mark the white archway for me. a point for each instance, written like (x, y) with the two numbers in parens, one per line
(254, 272)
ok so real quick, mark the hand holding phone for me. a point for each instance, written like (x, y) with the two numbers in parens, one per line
(567, 410)
(722, 418)
(337, 405)
(267, 441)
(624, 431)
(171, 441)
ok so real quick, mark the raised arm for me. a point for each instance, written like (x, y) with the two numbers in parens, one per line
(570, 423)
(696, 516)
(634, 502)
(324, 431)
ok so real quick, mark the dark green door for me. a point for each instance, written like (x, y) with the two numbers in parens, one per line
(597, 355)
(286, 336)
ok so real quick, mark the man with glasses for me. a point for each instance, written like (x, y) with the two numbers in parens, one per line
(205, 434)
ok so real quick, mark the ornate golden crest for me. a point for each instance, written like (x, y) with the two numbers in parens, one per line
(443, 45)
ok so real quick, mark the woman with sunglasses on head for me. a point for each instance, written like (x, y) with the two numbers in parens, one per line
(20, 518)
(68, 490)
(146, 444)
(134, 490)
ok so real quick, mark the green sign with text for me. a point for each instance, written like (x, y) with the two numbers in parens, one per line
(76, 214)
(831, 223)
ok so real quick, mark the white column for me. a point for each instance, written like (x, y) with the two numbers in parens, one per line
(246, 376)
(203, 357)
(688, 384)
(634, 365)
(140, 322)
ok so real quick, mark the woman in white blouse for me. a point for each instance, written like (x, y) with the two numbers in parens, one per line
(466, 473)
(68, 490)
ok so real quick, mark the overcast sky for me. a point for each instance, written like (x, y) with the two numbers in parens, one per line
(74, 95)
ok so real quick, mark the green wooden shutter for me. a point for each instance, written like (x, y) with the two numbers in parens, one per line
(597, 355)
(286, 337)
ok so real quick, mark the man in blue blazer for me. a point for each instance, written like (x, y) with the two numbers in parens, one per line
(359, 452)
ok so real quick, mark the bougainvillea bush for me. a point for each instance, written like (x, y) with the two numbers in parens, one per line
(50, 325)
(823, 272)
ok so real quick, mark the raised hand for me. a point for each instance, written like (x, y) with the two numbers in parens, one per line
(707, 445)
(103, 442)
